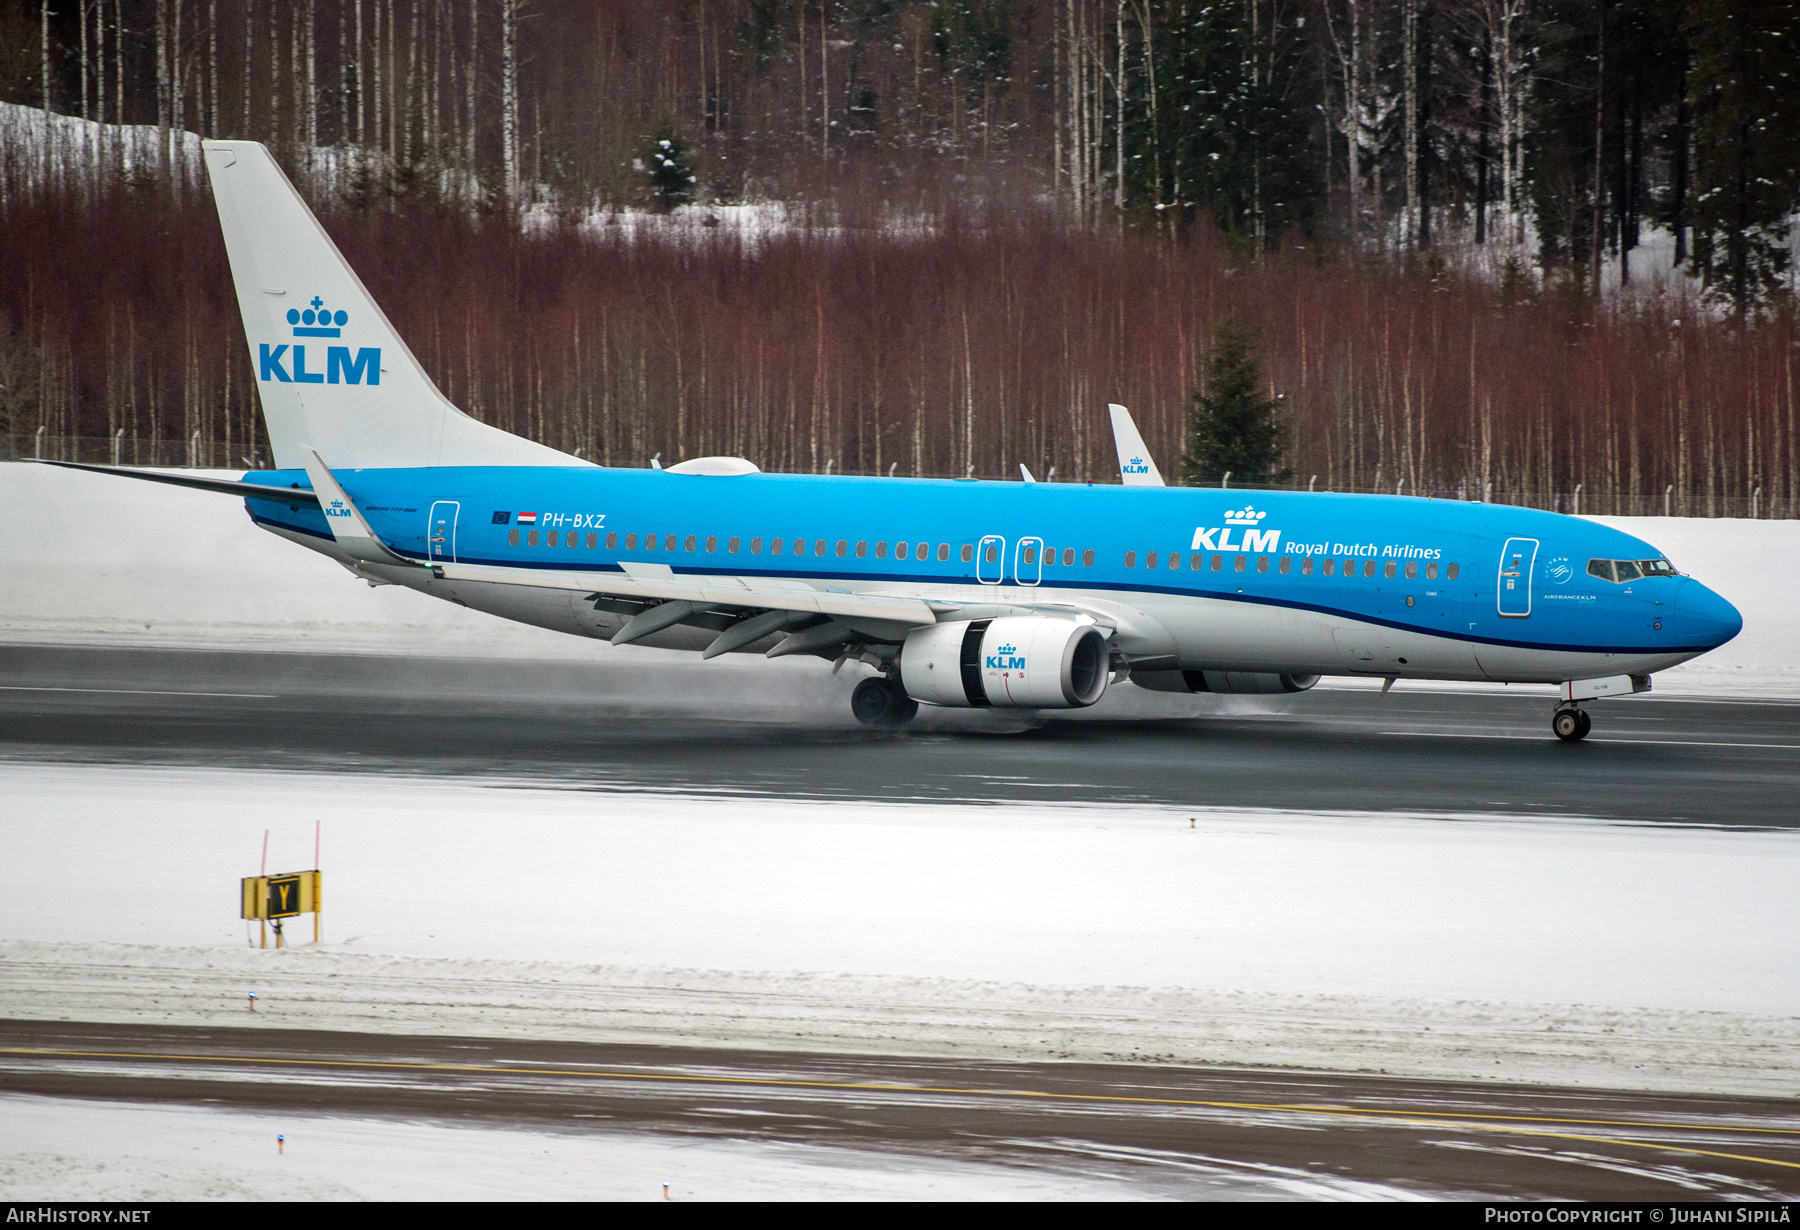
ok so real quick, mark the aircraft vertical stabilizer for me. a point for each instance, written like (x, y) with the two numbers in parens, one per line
(329, 366)
(1136, 469)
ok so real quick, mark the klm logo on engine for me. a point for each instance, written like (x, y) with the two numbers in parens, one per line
(341, 367)
(1255, 538)
(1005, 658)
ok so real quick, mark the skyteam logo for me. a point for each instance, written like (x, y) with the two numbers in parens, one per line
(1005, 658)
(1254, 539)
(341, 367)
(1137, 465)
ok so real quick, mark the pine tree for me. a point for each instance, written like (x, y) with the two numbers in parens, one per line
(670, 174)
(1232, 428)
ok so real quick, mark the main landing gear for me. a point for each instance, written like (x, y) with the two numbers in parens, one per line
(1571, 724)
(881, 702)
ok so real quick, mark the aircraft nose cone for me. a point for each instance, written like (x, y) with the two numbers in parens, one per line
(1706, 618)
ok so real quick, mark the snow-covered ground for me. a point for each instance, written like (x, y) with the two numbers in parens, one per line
(95, 560)
(68, 1149)
(1542, 948)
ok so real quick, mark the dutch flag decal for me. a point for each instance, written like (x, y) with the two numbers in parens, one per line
(527, 518)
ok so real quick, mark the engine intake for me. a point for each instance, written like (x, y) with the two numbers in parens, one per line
(1242, 683)
(1019, 662)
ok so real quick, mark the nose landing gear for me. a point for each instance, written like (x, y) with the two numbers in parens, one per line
(881, 702)
(1570, 724)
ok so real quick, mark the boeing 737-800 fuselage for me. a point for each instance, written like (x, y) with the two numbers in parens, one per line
(956, 593)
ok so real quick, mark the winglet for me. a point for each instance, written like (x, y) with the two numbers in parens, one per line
(1136, 469)
(344, 518)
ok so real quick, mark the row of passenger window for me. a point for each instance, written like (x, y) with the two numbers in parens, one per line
(779, 546)
(1325, 567)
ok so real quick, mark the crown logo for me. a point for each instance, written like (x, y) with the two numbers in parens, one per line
(317, 321)
(1244, 516)
(1007, 649)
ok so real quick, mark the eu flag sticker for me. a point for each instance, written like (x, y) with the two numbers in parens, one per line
(501, 518)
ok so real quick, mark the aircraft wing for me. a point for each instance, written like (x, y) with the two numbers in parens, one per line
(223, 486)
(1136, 467)
(660, 583)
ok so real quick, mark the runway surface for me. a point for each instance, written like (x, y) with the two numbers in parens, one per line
(1179, 1131)
(690, 726)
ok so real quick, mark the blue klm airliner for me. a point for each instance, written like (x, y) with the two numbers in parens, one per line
(960, 593)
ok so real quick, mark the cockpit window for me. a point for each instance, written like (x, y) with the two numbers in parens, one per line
(1620, 571)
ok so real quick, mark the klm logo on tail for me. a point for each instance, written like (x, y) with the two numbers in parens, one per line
(340, 366)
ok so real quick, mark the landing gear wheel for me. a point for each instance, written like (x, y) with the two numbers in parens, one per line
(1571, 725)
(880, 702)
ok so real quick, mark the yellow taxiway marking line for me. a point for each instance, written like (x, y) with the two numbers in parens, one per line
(1447, 1119)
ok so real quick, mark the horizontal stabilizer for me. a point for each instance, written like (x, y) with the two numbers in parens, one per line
(223, 486)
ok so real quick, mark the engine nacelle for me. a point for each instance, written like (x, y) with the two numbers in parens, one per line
(1020, 662)
(1242, 683)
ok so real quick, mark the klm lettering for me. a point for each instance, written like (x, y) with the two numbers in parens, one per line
(340, 366)
(1254, 540)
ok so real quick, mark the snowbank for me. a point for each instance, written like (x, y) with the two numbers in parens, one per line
(69, 1149)
(1547, 949)
(90, 559)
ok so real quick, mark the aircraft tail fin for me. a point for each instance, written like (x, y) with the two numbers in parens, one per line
(329, 367)
(1136, 468)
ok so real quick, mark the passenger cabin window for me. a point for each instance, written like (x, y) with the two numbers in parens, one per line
(881, 551)
(1450, 572)
(1306, 566)
(1087, 559)
(1241, 562)
(669, 543)
(1068, 557)
(900, 550)
(512, 538)
(1388, 569)
(968, 552)
(1131, 559)
(1262, 563)
(550, 538)
(612, 542)
(575, 539)
(1287, 564)
(531, 539)
(862, 550)
(1431, 571)
(1412, 569)
(712, 543)
(1330, 568)
(756, 546)
(775, 545)
(819, 547)
(1369, 568)
(843, 548)
(689, 545)
(1149, 559)
(731, 547)
(799, 546)
(1031, 555)
(631, 542)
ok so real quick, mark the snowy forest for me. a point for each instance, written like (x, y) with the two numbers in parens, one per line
(1525, 250)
